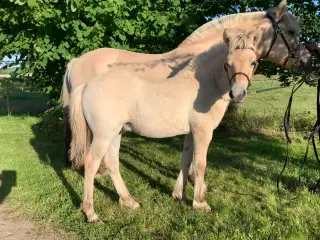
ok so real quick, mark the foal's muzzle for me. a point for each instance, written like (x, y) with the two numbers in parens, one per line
(238, 95)
(238, 90)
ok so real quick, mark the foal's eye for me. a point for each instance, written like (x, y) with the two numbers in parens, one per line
(253, 64)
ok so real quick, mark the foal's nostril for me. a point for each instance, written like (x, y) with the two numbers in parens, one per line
(244, 93)
(231, 94)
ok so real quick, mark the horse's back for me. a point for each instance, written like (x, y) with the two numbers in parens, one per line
(104, 60)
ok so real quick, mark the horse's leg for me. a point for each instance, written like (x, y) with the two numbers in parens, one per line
(111, 160)
(202, 138)
(97, 150)
(187, 156)
(102, 171)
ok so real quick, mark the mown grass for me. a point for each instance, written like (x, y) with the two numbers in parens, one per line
(264, 112)
(241, 175)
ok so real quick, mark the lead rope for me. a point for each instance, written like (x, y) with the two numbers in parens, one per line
(286, 123)
(316, 129)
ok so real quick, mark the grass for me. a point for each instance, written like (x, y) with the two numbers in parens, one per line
(241, 175)
(264, 112)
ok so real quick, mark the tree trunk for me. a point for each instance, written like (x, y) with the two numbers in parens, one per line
(8, 98)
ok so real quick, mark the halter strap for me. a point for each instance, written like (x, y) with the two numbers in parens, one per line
(241, 73)
(277, 31)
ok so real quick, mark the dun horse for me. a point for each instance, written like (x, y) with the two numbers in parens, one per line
(279, 43)
(193, 102)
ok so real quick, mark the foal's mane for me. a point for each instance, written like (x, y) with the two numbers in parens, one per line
(215, 50)
(239, 41)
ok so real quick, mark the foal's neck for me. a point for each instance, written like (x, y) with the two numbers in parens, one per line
(207, 69)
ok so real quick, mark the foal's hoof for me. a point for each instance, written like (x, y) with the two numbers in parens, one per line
(181, 198)
(204, 206)
(93, 218)
(129, 203)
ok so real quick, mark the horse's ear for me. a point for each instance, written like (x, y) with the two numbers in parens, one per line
(256, 36)
(229, 34)
(281, 9)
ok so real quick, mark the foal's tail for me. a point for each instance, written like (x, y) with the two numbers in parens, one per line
(81, 134)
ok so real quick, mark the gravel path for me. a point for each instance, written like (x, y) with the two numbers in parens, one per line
(15, 227)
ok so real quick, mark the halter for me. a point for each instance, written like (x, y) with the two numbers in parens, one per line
(241, 73)
(277, 31)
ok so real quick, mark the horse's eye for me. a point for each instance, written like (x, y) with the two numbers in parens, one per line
(226, 66)
(254, 63)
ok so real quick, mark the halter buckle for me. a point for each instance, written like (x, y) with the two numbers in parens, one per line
(290, 53)
(279, 30)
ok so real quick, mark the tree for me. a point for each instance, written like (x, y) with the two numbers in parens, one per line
(48, 33)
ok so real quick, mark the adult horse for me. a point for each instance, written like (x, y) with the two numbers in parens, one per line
(193, 102)
(279, 44)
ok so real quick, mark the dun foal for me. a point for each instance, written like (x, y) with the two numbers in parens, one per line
(192, 102)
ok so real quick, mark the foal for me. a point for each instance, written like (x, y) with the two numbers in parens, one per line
(193, 102)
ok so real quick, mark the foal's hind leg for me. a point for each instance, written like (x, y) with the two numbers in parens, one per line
(111, 160)
(187, 156)
(97, 150)
(102, 171)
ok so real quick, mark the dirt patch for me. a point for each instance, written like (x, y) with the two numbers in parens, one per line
(14, 227)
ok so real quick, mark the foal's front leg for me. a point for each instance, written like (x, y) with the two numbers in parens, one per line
(202, 139)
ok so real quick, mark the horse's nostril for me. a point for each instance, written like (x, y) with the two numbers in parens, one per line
(231, 94)
(244, 93)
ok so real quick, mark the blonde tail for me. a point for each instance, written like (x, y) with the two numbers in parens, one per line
(81, 135)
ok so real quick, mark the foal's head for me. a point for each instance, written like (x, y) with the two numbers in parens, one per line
(241, 60)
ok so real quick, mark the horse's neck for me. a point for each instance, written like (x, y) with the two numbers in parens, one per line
(230, 21)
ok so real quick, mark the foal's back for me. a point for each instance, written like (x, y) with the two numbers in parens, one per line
(148, 108)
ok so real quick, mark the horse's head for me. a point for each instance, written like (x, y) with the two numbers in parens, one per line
(241, 61)
(280, 41)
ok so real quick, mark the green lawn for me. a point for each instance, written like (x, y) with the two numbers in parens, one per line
(241, 180)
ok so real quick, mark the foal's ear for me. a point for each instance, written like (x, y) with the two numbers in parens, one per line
(230, 33)
(281, 9)
(256, 36)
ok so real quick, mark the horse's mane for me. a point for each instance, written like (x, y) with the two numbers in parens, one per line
(213, 26)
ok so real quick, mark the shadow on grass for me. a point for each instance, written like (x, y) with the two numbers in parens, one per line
(49, 147)
(228, 150)
(237, 150)
(50, 151)
(8, 179)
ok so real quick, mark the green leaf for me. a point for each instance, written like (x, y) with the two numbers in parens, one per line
(32, 3)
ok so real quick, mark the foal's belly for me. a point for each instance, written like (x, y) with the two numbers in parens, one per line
(159, 120)
(158, 128)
